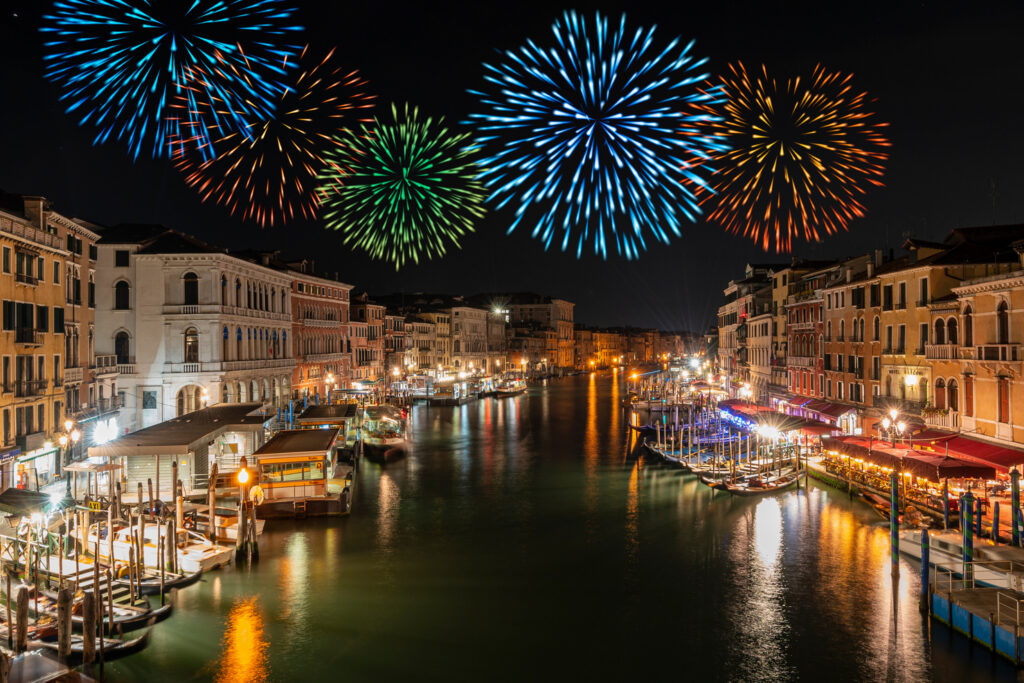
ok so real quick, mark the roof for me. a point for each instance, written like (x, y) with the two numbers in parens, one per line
(20, 501)
(328, 412)
(182, 434)
(298, 441)
(157, 239)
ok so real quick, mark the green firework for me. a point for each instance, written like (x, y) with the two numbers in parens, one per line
(402, 189)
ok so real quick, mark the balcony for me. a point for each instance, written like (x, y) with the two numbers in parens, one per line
(25, 279)
(901, 404)
(1006, 353)
(901, 305)
(217, 309)
(126, 369)
(921, 303)
(24, 335)
(72, 375)
(98, 407)
(264, 364)
(950, 421)
(321, 357)
(30, 387)
(941, 351)
(33, 234)
(104, 365)
(315, 322)
(801, 361)
(858, 373)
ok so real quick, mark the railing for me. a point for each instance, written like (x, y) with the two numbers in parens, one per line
(941, 351)
(30, 387)
(922, 302)
(1000, 352)
(251, 364)
(72, 375)
(99, 407)
(316, 322)
(218, 309)
(29, 232)
(105, 364)
(191, 367)
(25, 279)
(901, 404)
(321, 357)
(24, 335)
(858, 373)
(189, 309)
(901, 305)
(801, 361)
(951, 420)
(126, 368)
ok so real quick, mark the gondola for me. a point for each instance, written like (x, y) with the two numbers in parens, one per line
(125, 618)
(112, 648)
(756, 486)
(150, 583)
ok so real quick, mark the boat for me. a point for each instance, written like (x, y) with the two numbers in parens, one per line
(194, 552)
(756, 485)
(149, 582)
(126, 617)
(383, 433)
(197, 519)
(510, 387)
(113, 648)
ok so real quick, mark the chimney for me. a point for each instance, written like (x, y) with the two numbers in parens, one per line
(34, 209)
(849, 274)
(871, 269)
(878, 258)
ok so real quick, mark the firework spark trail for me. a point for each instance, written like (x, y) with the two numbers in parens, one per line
(596, 138)
(801, 155)
(402, 190)
(267, 172)
(119, 62)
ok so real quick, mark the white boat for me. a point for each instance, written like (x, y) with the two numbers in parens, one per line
(999, 566)
(194, 553)
(383, 432)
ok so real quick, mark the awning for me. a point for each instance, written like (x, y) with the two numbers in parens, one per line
(921, 464)
(833, 410)
(20, 501)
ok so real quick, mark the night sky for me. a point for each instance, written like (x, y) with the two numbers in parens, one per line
(948, 78)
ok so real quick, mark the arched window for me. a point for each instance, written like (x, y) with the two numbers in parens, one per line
(223, 295)
(238, 292)
(191, 289)
(860, 335)
(968, 408)
(951, 332)
(122, 296)
(875, 329)
(1003, 323)
(224, 347)
(940, 393)
(191, 345)
(952, 396)
(940, 331)
(842, 330)
(122, 348)
(239, 354)
(828, 330)
(968, 327)
(888, 385)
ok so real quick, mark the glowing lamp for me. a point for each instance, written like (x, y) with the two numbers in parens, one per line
(910, 380)
(243, 475)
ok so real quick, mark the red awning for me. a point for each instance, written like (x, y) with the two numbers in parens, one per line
(830, 409)
(921, 464)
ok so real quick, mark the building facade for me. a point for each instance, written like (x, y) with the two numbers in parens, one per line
(321, 333)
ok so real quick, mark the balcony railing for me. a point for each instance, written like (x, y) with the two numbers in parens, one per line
(72, 375)
(105, 364)
(901, 305)
(24, 335)
(801, 361)
(98, 407)
(922, 302)
(941, 351)
(30, 387)
(901, 404)
(951, 420)
(126, 369)
(25, 279)
(316, 322)
(1000, 352)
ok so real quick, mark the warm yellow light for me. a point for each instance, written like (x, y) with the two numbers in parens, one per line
(243, 475)
(67, 425)
(893, 413)
(63, 440)
(886, 422)
(76, 435)
(910, 380)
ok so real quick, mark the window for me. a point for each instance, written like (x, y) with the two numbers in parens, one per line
(7, 259)
(968, 409)
(1003, 323)
(876, 368)
(40, 268)
(923, 300)
(56, 272)
(1004, 399)
(903, 295)
(191, 339)
(940, 393)
(223, 291)
(122, 348)
(43, 318)
(968, 327)
(951, 331)
(875, 327)
(122, 293)
(191, 289)
(902, 339)
(58, 320)
(940, 331)
(121, 259)
(93, 252)
(56, 367)
(924, 336)
(888, 338)
(952, 395)
(92, 293)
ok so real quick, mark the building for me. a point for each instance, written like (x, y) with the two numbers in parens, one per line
(33, 263)
(441, 319)
(585, 341)
(397, 345)
(744, 298)
(805, 329)
(189, 324)
(556, 314)
(321, 332)
(368, 339)
(532, 347)
(469, 338)
(497, 341)
(421, 336)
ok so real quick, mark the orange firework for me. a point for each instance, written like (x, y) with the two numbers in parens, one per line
(266, 173)
(801, 156)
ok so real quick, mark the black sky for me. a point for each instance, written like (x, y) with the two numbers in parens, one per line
(948, 78)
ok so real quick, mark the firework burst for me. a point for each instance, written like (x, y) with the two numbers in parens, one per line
(403, 189)
(594, 139)
(801, 155)
(266, 172)
(120, 62)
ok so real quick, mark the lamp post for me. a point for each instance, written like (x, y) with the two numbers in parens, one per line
(892, 426)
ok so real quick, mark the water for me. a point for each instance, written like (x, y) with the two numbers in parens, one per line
(524, 541)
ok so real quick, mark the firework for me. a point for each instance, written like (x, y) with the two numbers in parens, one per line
(403, 189)
(119, 62)
(801, 154)
(594, 138)
(267, 172)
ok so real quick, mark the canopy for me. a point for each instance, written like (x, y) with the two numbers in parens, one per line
(921, 464)
(22, 502)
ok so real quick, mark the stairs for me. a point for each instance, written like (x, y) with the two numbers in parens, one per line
(300, 509)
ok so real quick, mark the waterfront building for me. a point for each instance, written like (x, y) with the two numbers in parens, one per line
(532, 347)
(469, 338)
(744, 298)
(321, 331)
(368, 339)
(805, 329)
(421, 334)
(441, 319)
(32, 267)
(397, 344)
(547, 312)
(611, 347)
(497, 341)
(585, 342)
(760, 354)
(189, 324)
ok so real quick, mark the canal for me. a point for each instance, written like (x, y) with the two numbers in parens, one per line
(523, 540)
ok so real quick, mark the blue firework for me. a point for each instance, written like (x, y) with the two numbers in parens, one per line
(597, 137)
(120, 62)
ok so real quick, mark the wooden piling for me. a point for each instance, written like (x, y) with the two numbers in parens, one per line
(63, 625)
(131, 574)
(171, 545)
(21, 610)
(110, 601)
(174, 479)
(117, 500)
(5, 667)
(212, 495)
(10, 623)
(149, 482)
(179, 506)
(88, 628)
(162, 552)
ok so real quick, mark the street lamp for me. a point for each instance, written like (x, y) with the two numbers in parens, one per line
(892, 427)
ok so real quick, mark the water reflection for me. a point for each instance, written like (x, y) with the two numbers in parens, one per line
(244, 648)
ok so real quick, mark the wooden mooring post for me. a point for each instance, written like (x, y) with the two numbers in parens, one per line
(63, 625)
